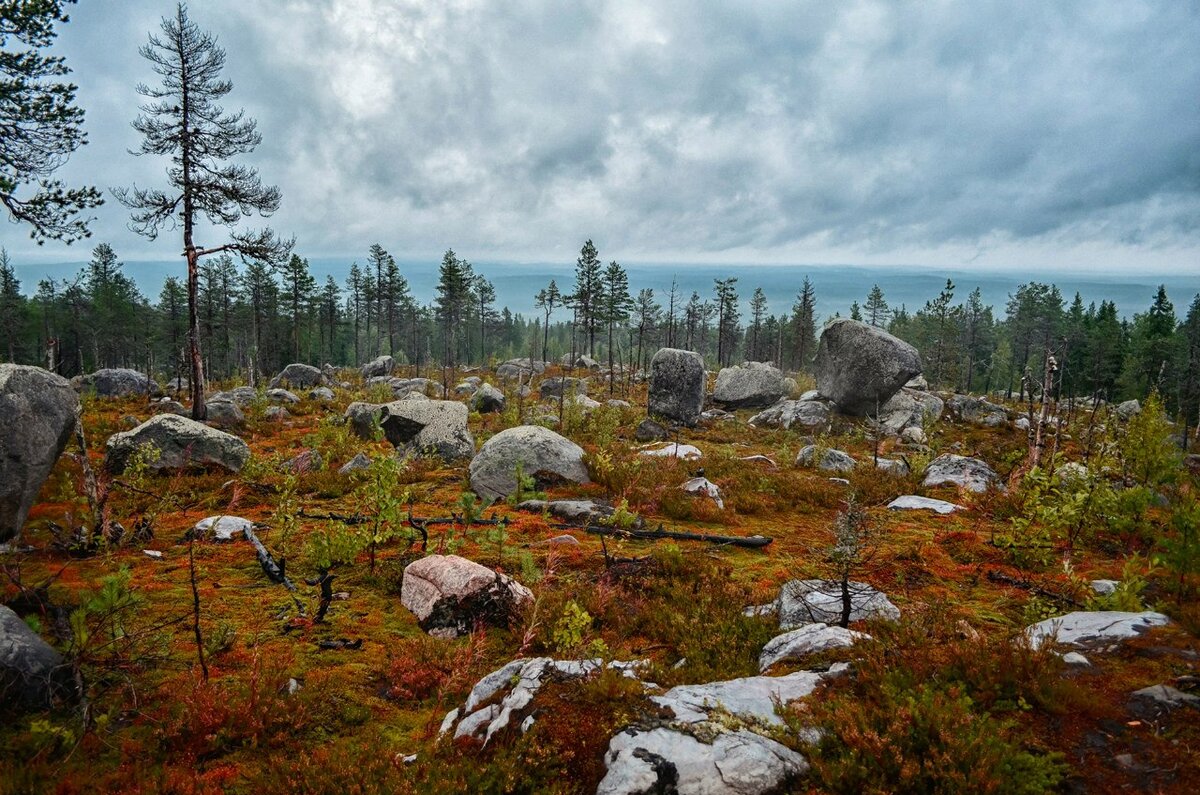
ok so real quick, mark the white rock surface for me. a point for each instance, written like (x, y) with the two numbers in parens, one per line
(810, 639)
(674, 450)
(911, 502)
(1102, 629)
(803, 602)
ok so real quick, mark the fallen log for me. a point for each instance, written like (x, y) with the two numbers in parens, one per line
(748, 542)
(274, 570)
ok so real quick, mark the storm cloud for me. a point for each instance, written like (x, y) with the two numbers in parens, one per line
(517, 128)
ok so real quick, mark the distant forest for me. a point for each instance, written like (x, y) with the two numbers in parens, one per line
(255, 318)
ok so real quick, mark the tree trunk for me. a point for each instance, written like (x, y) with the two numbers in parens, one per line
(199, 410)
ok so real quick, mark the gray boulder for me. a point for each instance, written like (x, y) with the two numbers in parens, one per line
(241, 395)
(120, 382)
(805, 641)
(860, 367)
(753, 385)
(971, 474)
(488, 400)
(301, 376)
(581, 511)
(1128, 409)
(380, 365)
(282, 396)
(677, 384)
(170, 407)
(31, 673)
(364, 418)
(277, 414)
(560, 385)
(1152, 703)
(522, 369)
(437, 427)
(911, 502)
(976, 411)
(830, 460)
(322, 394)
(909, 408)
(181, 443)
(221, 528)
(37, 412)
(450, 595)
(650, 431)
(544, 455)
(803, 602)
(222, 414)
(807, 414)
(356, 464)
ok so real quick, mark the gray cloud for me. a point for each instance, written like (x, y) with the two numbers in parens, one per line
(519, 128)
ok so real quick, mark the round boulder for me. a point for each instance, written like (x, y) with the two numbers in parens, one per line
(677, 383)
(380, 365)
(119, 382)
(542, 454)
(437, 427)
(859, 367)
(298, 375)
(181, 443)
(753, 385)
(450, 595)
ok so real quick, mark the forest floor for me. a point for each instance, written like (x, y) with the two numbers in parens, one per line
(153, 724)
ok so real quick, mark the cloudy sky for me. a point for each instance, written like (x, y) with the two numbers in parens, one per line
(947, 133)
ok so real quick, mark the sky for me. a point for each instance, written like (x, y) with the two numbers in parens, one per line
(981, 134)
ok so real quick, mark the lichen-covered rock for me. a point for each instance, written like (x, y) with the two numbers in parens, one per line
(909, 408)
(364, 418)
(650, 431)
(971, 474)
(807, 640)
(222, 528)
(322, 394)
(37, 415)
(976, 411)
(807, 414)
(1101, 629)
(753, 385)
(1128, 409)
(859, 367)
(677, 383)
(356, 464)
(282, 396)
(429, 427)
(912, 502)
(562, 385)
(301, 376)
(830, 460)
(703, 487)
(522, 369)
(31, 673)
(223, 414)
(181, 443)
(488, 400)
(241, 395)
(804, 602)
(450, 595)
(120, 382)
(379, 366)
(581, 511)
(544, 455)
(685, 452)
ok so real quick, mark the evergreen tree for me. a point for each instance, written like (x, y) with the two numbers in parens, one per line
(804, 326)
(329, 317)
(1151, 347)
(615, 305)
(172, 308)
(12, 308)
(1189, 368)
(728, 318)
(184, 122)
(585, 298)
(547, 298)
(485, 300)
(299, 288)
(355, 284)
(758, 312)
(40, 125)
(979, 338)
(876, 308)
(453, 299)
(649, 318)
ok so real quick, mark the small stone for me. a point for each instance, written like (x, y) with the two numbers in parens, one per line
(152, 553)
(1075, 659)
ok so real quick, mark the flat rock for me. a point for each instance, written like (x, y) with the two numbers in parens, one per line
(803, 602)
(911, 502)
(1101, 629)
(971, 474)
(581, 511)
(1157, 700)
(805, 641)
(303, 376)
(543, 455)
(677, 384)
(449, 595)
(37, 411)
(674, 450)
(181, 443)
(751, 697)
(222, 528)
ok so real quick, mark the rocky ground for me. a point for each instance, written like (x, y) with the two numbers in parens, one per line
(387, 603)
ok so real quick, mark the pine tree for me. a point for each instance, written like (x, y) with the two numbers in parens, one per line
(453, 298)
(978, 336)
(299, 288)
(1189, 368)
(727, 318)
(547, 298)
(876, 307)
(585, 298)
(615, 305)
(355, 284)
(485, 299)
(855, 311)
(40, 125)
(1151, 347)
(758, 311)
(184, 122)
(172, 302)
(649, 317)
(12, 307)
(804, 325)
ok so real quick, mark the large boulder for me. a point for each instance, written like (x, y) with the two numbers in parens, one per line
(119, 382)
(677, 383)
(1098, 630)
(31, 673)
(37, 414)
(826, 459)
(562, 385)
(437, 427)
(860, 367)
(450, 595)
(380, 365)
(524, 369)
(971, 474)
(803, 602)
(364, 418)
(808, 414)
(976, 411)
(303, 376)
(241, 395)
(181, 443)
(542, 454)
(223, 414)
(753, 385)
